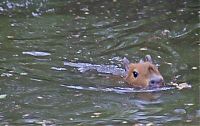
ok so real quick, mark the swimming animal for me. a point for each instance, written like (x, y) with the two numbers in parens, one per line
(140, 75)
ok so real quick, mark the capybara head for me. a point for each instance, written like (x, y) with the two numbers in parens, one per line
(143, 74)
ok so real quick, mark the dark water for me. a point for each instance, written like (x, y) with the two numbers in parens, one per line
(36, 37)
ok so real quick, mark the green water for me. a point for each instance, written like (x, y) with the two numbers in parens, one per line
(99, 32)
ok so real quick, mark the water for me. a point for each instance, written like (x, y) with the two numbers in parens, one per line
(37, 37)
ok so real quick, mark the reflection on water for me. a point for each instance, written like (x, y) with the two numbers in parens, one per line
(36, 37)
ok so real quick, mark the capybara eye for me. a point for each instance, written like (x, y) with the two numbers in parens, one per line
(135, 74)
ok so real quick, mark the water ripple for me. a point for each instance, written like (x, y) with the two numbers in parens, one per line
(120, 90)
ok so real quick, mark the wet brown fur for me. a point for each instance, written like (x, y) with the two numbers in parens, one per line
(145, 70)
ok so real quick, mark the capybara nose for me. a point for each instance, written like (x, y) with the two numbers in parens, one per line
(156, 81)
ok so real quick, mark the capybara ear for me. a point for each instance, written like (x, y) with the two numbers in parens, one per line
(148, 59)
(126, 63)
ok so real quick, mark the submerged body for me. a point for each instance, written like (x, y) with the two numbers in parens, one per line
(106, 69)
(143, 74)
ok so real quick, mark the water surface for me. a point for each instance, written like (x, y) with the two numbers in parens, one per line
(37, 37)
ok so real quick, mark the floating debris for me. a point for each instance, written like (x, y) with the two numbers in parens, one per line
(159, 57)
(3, 96)
(124, 122)
(36, 53)
(39, 97)
(33, 79)
(189, 104)
(95, 115)
(194, 68)
(181, 85)
(168, 63)
(25, 115)
(143, 49)
(23, 74)
(10, 37)
(87, 13)
(58, 68)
